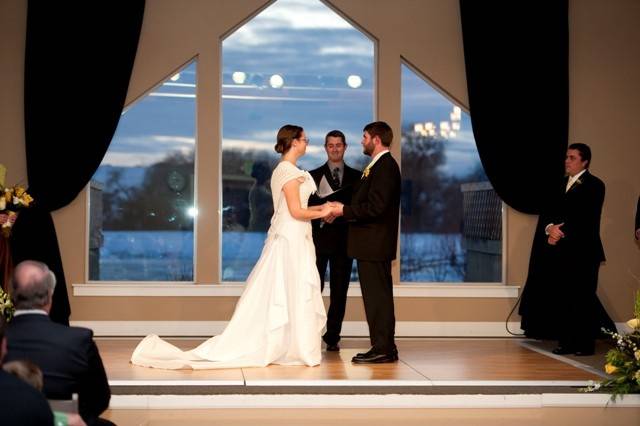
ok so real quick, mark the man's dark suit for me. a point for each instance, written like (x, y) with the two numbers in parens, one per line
(68, 358)
(330, 240)
(21, 404)
(559, 299)
(373, 217)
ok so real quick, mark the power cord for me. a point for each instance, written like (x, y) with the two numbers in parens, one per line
(506, 322)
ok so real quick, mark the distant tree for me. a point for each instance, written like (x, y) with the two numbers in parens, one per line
(113, 197)
(432, 200)
(160, 202)
(423, 203)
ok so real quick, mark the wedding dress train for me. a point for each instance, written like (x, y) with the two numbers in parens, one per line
(280, 315)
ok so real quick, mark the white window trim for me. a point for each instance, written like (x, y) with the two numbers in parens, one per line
(173, 289)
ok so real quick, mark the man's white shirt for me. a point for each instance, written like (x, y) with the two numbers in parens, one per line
(19, 312)
(570, 182)
(376, 158)
(573, 179)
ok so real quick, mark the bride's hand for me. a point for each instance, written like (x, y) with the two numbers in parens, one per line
(326, 210)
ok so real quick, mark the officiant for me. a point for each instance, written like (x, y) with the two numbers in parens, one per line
(335, 181)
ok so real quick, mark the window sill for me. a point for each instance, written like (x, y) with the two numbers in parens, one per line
(155, 289)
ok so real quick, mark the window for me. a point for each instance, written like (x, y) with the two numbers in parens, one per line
(141, 197)
(297, 62)
(451, 221)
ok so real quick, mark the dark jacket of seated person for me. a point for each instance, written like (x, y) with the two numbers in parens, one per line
(20, 403)
(68, 356)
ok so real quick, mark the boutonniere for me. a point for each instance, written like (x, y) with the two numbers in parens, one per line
(575, 184)
(365, 173)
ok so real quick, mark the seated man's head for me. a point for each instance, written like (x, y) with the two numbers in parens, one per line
(26, 371)
(33, 285)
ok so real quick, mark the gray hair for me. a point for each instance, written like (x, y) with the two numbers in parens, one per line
(34, 291)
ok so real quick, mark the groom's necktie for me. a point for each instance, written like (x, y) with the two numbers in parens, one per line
(336, 176)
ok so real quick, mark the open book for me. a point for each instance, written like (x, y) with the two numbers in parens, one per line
(324, 189)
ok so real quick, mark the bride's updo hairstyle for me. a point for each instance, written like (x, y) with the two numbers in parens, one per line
(286, 135)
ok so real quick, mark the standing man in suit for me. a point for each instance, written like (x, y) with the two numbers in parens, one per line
(20, 403)
(330, 239)
(373, 217)
(566, 257)
(68, 356)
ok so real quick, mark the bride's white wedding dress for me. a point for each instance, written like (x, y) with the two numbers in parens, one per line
(280, 315)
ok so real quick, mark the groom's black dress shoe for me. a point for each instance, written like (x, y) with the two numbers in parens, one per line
(364, 354)
(375, 358)
(371, 351)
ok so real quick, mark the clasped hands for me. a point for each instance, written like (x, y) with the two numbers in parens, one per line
(331, 210)
(555, 234)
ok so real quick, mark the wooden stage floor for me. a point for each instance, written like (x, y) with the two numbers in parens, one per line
(465, 381)
(426, 366)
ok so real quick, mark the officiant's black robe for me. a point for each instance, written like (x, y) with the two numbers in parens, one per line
(559, 299)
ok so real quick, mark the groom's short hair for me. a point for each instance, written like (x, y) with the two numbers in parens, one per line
(380, 129)
(33, 284)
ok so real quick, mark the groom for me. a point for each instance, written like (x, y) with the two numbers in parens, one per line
(373, 233)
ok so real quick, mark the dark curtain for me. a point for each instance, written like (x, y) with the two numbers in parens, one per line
(78, 61)
(516, 57)
(517, 63)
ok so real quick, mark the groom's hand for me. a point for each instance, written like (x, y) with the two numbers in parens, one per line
(329, 219)
(337, 209)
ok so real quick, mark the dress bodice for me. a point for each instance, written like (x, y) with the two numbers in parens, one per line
(282, 222)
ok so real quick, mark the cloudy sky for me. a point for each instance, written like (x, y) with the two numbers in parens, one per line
(313, 51)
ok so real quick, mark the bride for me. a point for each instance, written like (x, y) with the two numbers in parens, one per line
(280, 315)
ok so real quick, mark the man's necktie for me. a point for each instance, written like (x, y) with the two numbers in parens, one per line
(336, 176)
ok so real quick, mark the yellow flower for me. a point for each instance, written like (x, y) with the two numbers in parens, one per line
(8, 194)
(610, 369)
(365, 173)
(3, 203)
(637, 355)
(19, 191)
(634, 323)
(26, 199)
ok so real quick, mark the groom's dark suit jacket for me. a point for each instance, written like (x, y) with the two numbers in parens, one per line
(374, 212)
(68, 358)
(331, 238)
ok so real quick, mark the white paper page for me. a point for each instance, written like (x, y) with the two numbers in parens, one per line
(324, 189)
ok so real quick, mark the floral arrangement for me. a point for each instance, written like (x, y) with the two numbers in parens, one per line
(6, 306)
(623, 361)
(12, 200)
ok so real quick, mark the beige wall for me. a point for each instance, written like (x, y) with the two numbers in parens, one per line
(605, 97)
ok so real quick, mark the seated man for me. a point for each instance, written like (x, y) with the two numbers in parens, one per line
(31, 374)
(67, 356)
(20, 404)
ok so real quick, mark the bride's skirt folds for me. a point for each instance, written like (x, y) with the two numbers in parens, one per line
(278, 319)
